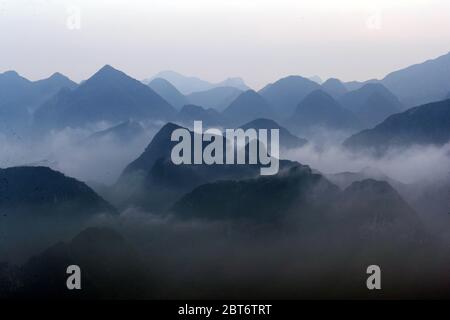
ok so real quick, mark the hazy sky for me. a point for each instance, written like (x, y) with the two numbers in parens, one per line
(259, 40)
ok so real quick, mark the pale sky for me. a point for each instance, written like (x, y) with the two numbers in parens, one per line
(258, 40)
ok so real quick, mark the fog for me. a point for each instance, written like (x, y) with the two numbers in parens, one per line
(407, 165)
(71, 152)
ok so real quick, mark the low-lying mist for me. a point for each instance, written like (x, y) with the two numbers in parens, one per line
(74, 153)
(407, 165)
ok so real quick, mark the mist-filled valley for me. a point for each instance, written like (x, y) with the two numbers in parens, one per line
(87, 178)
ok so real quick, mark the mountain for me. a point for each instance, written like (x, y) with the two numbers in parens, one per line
(355, 85)
(190, 113)
(421, 83)
(19, 97)
(260, 199)
(189, 85)
(334, 87)
(375, 207)
(427, 124)
(285, 94)
(153, 181)
(248, 106)
(217, 98)
(109, 95)
(46, 88)
(28, 192)
(110, 268)
(320, 111)
(39, 206)
(123, 132)
(287, 139)
(171, 94)
(372, 103)
(364, 209)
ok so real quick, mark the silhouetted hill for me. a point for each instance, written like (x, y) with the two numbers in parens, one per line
(109, 95)
(261, 199)
(31, 191)
(372, 103)
(285, 94)
(421, 83)
(379, 208)
(427, 124)
(334, 87)
(248, 106)
(287, 139)
(39, 206)
(217, 98)
(167, 91)
(154, 181)
(190, 113)
(187, 85)
(320, 111)
(19, 97)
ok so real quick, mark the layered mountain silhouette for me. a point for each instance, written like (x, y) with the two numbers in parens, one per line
(39, 206)
(372, 103)
(423, 125)
(216, 98)
(19, 97)
(38, 192)
(190, 113)
(334, 87)
(167, 91)
(285, 94)
(287, 139)
(421, 83)
(248, 106)
(376, 208)
(109, 95)
(189, 85)
(153, 181)
(262, 199)
(320, 111)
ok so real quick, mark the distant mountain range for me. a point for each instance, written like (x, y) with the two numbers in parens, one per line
(188, 85)
(216, 98)
(319, 111)
(334, 87)
(109, 95)
(421, 83)
(285, 94)
(418, 84)
(167, 91)
(19, 97)
(287, 139)
(248, 106)
(372, 103)
(423, 125)
(190, 113)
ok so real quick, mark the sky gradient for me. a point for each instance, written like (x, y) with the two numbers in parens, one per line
(258, 40)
